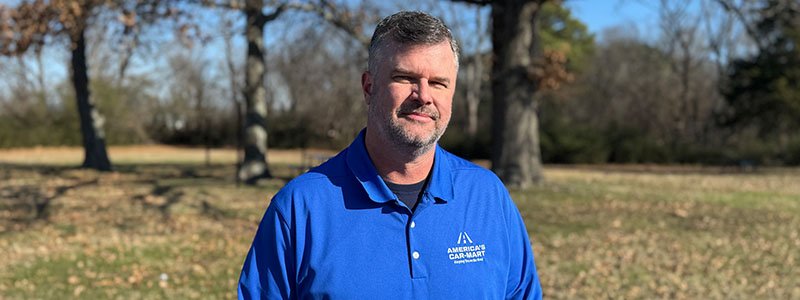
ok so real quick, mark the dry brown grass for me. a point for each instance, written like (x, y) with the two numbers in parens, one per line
(143, 154)
(164, 225)
(669, 233)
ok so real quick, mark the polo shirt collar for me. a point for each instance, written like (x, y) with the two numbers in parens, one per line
(440, 186)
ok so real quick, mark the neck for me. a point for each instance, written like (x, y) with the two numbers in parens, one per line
(397, 165)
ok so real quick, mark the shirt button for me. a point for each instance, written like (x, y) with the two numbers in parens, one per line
(413, 224)
(415, 255)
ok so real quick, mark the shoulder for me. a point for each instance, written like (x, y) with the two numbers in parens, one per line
(477, 186)
(320, 180)
(463, 169)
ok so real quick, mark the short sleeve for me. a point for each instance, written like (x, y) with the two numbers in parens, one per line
(523, 281)
(268, 271)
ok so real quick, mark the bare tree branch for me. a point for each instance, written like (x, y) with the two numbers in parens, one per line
(737, 11)
(478, 2)
(264, 19)
(719, 37)
(343, 19)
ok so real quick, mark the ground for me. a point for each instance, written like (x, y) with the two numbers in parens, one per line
(165, 224)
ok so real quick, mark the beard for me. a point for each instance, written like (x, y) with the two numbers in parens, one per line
(394, 129)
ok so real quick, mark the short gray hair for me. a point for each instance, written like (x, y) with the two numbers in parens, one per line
(408, 28)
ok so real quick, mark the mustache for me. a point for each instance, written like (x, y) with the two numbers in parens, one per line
(410, 108)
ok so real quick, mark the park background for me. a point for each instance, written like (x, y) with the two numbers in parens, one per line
(654, 150)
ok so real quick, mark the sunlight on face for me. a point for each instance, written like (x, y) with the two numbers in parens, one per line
(411, 96)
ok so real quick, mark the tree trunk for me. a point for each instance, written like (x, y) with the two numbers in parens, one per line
(239, 141)
(475, 82)
(255, 149)
(474, 76)
(202, 118)
(94, 144)
(516, 157)
(473, 101)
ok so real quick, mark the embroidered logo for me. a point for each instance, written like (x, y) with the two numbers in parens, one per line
(464, 237)
(467, 251)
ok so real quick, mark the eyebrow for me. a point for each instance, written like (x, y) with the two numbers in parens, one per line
(409, 72)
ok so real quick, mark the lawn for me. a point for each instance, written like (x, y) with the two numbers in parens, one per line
(167, 225)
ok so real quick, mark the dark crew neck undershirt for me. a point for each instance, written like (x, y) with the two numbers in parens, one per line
(409, 194)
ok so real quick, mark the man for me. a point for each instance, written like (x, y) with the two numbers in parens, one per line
(394, 216)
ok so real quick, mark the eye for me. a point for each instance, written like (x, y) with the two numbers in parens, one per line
(403, 79)
(438, 84)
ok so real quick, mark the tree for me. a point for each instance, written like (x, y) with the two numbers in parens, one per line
(763, 89)
(726, 38)
(561, 32)
(682, 44)
(313, 117)
(227, 31)
(473, 72)
(31, 22)
(520, 70)
(255, 165)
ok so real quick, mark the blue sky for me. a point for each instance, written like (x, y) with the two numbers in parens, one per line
(602, 14)
(596, 14)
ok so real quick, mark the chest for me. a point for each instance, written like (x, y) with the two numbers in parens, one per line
(440, 251)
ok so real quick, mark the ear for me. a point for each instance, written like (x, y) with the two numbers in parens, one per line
(366, 85)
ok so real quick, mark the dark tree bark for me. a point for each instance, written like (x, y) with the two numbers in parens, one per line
(94, 144)
(516, 156)
(473, 100)
(255, 165)
(474, 76)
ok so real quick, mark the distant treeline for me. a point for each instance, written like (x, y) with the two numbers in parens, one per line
(698, 93)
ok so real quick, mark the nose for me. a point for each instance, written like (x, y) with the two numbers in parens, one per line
(423, 92)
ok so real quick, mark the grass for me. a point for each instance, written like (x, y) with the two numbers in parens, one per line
(644, 235)
(166, 225)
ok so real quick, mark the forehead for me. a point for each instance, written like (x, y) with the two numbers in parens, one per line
(438, 56)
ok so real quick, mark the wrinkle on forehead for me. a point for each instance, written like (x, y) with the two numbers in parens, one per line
(406, 60)
(403, 71)
(389, 52)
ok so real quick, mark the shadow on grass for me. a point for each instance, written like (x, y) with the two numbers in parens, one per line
(159, 190)
(27, 192)
(32, 202)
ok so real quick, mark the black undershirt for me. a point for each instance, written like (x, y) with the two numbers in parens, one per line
(408, 193)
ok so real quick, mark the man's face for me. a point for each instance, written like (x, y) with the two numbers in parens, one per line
(410, 97)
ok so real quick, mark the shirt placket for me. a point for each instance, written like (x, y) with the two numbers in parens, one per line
(414, 228)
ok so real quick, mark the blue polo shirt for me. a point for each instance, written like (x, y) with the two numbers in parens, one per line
(338, 232)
